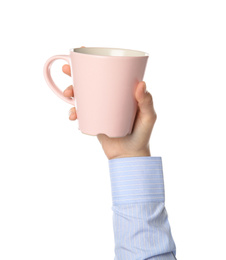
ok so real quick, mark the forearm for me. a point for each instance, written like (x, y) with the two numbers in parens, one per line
(140, 221)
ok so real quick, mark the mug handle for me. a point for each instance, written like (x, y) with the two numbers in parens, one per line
(50, 81)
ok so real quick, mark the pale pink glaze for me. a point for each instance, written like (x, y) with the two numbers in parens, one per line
(104, 88)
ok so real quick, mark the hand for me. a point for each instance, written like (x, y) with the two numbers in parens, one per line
(137, 143)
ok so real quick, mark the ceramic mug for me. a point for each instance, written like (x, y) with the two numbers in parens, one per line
(104, 83)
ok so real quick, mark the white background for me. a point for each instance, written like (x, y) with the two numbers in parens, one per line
(55, 197)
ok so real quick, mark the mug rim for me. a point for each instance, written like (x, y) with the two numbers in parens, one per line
(141, 53)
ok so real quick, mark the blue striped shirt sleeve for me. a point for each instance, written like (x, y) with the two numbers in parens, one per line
(140, 221)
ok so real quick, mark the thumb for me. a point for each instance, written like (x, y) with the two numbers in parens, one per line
(145, 102)
(146, 116)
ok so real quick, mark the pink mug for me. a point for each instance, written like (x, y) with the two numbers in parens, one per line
(104, 83)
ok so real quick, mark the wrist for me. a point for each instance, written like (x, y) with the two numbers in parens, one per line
(136, 154)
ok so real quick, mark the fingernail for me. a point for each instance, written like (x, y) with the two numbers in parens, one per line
(70, 112)
(144, 88)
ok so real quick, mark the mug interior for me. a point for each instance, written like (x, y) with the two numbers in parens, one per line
(109, 52)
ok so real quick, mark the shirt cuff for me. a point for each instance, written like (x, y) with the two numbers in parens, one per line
(136, 180)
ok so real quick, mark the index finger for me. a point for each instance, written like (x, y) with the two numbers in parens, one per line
(66, 69)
